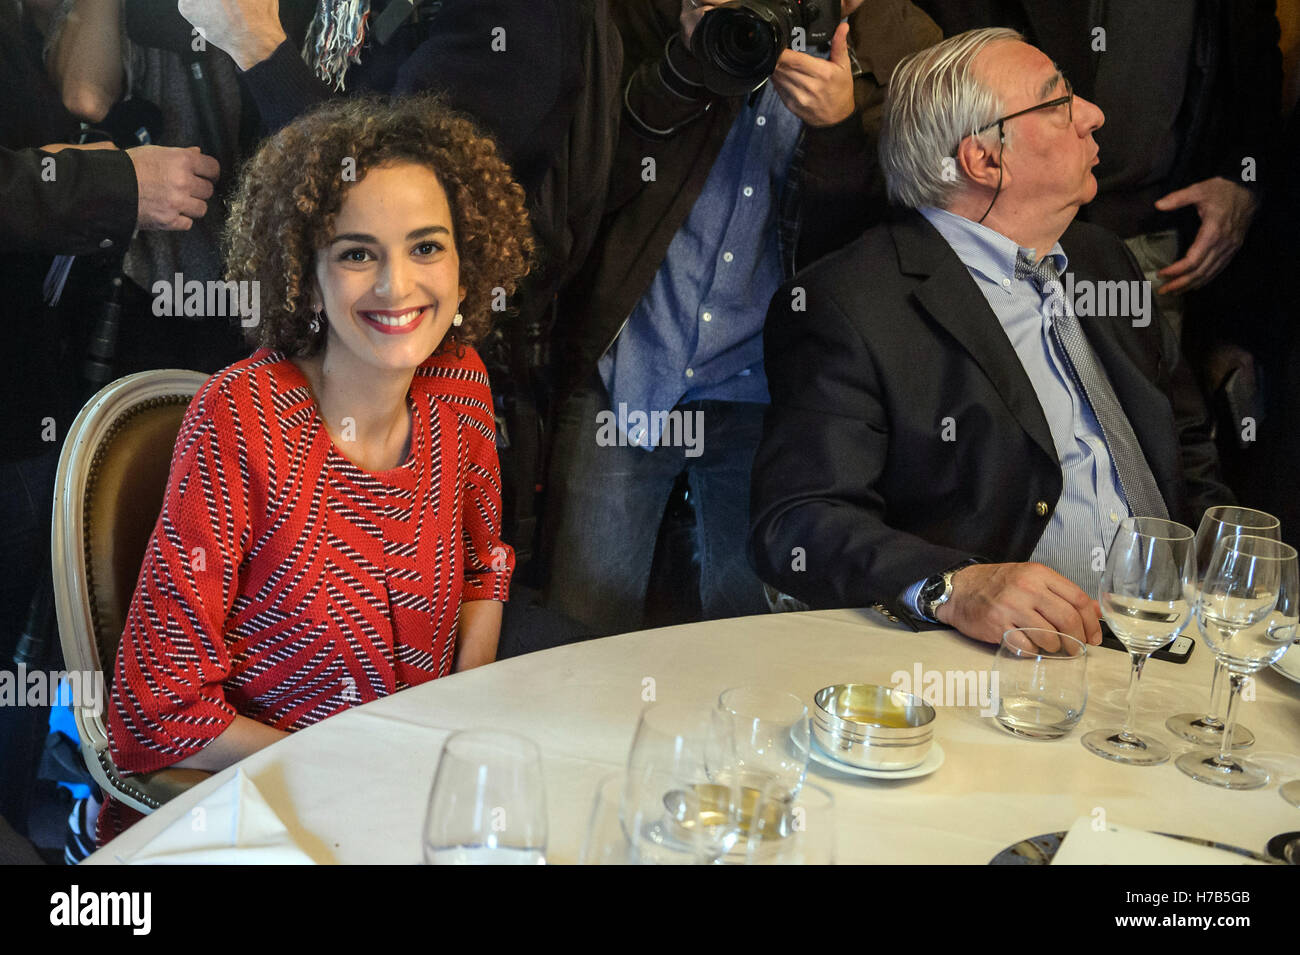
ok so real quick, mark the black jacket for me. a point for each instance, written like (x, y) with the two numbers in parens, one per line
(855, 493)
(71, 202)
(516, 94)
(833, 192)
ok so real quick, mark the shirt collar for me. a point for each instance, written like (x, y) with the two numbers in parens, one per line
(983, 250)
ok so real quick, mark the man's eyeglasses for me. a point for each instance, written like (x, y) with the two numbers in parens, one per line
(1067, 101)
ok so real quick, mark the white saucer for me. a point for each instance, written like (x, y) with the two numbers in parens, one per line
(932, 761)
(1289, 665)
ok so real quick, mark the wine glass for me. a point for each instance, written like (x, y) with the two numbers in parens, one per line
(1216, 524)
(1291, 792)
(798, 831)
(607, 842)
(1145, 588)
(681, 802)
(1247, 612)
(488, 803)
(772, 736)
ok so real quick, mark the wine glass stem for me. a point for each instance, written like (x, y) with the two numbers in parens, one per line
(1235, 683)
(1218, 687)
(1139, 661)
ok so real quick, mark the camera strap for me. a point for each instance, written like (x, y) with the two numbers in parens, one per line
(398, 12)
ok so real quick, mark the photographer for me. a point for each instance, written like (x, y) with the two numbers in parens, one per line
(714, 200)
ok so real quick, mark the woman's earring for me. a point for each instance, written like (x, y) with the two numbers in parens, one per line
(315, 322)
(458, 319)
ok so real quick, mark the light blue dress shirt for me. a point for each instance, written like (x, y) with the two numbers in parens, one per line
(1092, 501)
(697, 333)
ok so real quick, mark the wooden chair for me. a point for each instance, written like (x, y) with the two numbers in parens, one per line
(107, 497)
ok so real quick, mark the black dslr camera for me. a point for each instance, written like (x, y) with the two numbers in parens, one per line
(739, 42)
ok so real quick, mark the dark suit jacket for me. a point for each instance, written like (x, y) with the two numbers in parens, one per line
(856, 494)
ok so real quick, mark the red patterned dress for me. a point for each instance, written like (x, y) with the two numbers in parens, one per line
(284, 583)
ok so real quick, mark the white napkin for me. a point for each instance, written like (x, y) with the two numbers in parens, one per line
(1120, 845)
(232, 826)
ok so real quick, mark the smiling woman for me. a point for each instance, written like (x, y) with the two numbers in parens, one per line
(293, 190)
(330, 532)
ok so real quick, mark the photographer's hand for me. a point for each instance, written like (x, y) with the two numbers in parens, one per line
(247, 30)
(819, 92)
(174, 185)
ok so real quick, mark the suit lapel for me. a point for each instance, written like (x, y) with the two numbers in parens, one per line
(950, 296)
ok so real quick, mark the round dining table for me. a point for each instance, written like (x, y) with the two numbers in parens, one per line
(355, 787)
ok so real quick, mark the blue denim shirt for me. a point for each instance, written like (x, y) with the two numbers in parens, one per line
(1092, 500)
(697, 333)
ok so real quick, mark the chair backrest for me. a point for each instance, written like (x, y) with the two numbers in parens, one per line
(107, 497)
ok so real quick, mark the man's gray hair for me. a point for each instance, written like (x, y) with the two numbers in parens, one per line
(935, 101)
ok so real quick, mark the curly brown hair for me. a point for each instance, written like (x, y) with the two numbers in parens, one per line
(293, 187)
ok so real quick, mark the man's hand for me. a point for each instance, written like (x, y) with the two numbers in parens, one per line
(819, 92)
(989, 599)
(692, 13)
(174, 185)
(247, 30)
(1226, 209)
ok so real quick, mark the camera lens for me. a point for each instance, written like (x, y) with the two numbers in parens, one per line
(743, 45)
(738, 44)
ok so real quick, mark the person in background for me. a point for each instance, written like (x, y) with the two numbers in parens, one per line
(1190, 154)
(947, 440)
(56, 197)
(1193, 88)
(354, 544)
(713, 201)
(131, 89)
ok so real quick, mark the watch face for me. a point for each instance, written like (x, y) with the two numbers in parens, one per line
(932, 590)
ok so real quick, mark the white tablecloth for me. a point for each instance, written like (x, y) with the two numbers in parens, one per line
(353, 789)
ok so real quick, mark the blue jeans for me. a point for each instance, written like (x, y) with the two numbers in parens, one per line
(606, 504)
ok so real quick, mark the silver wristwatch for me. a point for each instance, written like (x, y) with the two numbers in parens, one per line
(936, 592)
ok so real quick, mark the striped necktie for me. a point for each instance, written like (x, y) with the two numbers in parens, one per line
(1144, 499)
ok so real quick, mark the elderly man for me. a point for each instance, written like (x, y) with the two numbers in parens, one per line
(955, 432)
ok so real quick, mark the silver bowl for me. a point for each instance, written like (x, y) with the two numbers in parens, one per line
(873, 727)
